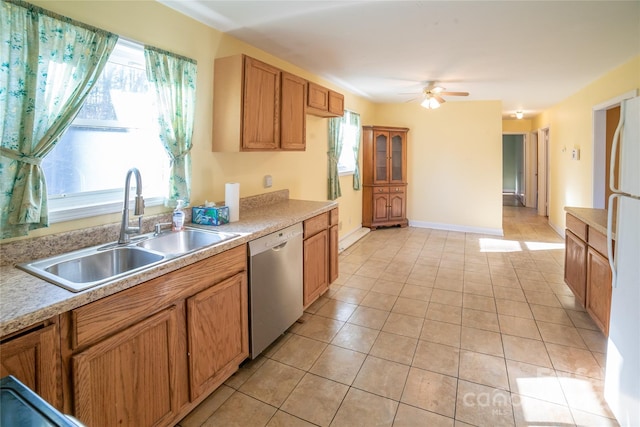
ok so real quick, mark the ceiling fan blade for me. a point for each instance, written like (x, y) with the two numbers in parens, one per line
(439, 99)
(455, 93)
(411, 100)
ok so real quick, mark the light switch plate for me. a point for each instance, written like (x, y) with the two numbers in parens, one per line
(268, 181)
(575, 154)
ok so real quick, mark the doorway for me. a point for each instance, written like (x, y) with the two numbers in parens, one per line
(513, 169)
(605, 117)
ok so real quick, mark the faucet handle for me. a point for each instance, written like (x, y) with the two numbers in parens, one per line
(158, 227)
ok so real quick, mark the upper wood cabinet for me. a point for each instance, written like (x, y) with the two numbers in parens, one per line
(257, 107)
(324, 102)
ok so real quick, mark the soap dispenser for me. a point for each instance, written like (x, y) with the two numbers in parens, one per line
(178, 217)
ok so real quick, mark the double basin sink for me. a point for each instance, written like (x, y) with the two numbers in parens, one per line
(86, 268)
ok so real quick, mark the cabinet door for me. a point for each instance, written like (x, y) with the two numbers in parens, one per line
(292, 112)
(34, 359)
(130, 378)
(260, 112)
(336, 103)
(381, 157)
(333, 253)
(397, 157)
(315, 266)
(218, 333)
(575, 266)
(318, 97)
(380, 207)
(598, 289)
(396, 204)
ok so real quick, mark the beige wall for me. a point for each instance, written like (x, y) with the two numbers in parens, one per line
(303, 173)
(516, 126)
(570, 126)
(455, 152)
(454, 163)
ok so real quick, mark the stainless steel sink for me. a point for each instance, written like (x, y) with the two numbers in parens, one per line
(86, 268)
(187, 240)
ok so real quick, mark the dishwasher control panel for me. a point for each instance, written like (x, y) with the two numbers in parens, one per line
(274, 239)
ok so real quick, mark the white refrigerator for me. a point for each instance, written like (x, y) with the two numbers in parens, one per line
(622, 375)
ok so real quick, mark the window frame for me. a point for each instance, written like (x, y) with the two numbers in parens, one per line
(72, 206)
(341, 170)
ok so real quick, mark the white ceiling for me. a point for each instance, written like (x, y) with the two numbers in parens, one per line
(528, 54)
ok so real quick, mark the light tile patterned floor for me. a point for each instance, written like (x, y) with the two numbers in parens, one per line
(431, 328)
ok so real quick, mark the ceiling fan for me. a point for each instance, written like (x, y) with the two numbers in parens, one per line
(432, 96)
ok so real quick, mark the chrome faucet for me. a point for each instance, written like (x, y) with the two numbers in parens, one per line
(125, 230)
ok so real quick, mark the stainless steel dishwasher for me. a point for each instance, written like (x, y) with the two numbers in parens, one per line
(275, 285)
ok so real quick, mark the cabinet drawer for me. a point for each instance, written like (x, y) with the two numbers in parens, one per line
(334, 217)
(598, 241)
(316, 224)
(380, 190)
(101, 318)
(396, 190)
(578, 227)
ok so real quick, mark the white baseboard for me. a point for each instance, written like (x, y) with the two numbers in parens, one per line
(460, 228)
(352, 237)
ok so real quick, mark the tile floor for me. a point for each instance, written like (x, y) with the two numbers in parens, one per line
(431, 328)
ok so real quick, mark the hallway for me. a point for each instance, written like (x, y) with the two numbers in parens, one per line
(431, 328)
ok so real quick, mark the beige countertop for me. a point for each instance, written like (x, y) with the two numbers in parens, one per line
(596, 218)
(26, 300)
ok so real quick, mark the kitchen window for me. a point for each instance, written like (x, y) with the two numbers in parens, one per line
(350, 145)
(115, 130)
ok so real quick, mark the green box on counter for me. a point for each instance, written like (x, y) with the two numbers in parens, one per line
(214, 215)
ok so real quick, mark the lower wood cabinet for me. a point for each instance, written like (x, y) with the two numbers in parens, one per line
(129, 379)
(320, 246)
(599, 279)
(575, 272)
(33, 357)
(587, 271)
(217, 327)
(316, 279)
(148, 355)
(384, 206)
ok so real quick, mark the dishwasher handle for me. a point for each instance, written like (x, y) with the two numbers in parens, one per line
(279, 247)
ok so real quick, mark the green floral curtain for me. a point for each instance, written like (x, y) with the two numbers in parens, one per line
(48, 65)
(174, 78)
(335, 148)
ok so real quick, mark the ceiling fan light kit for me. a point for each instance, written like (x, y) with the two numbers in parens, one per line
(433, 96)
(430, 103)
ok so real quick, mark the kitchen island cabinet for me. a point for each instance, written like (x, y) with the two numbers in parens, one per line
(587, 271)
(32, 356)
(148, 355)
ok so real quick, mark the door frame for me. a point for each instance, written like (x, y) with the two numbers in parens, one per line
(543, 171)
(599, 145)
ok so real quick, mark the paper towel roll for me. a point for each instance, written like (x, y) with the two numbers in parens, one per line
(232, 200)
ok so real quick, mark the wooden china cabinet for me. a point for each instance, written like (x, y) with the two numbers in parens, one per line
(384, 176)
